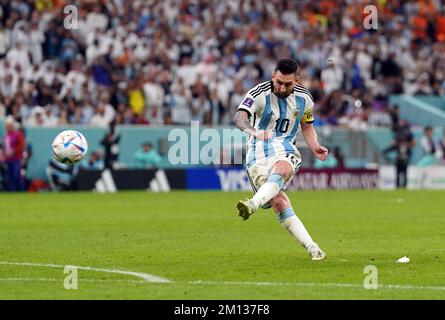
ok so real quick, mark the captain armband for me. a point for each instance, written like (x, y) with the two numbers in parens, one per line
(308, 117)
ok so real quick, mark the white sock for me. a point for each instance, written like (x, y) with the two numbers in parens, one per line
(268, 190)
(290, 221)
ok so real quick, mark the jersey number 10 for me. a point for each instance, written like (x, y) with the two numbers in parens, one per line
(282, 125)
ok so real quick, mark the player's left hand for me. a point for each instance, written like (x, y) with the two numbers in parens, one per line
(321, 153)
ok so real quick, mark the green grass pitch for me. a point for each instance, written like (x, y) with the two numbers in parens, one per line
(197, 241)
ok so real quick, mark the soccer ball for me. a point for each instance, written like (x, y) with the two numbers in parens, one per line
(69, 147)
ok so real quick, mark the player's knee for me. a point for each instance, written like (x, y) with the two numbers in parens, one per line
(283, 172)
(283, 169)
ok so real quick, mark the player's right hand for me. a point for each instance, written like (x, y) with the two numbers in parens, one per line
(263, 134)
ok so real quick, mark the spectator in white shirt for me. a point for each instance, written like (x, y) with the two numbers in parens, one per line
(93, 52)
(97, 20)
(332, 78)
(19, 55)
(99, 118)
(35, 40)
(432, 152)
(180, 105)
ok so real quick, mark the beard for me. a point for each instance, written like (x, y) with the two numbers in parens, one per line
(282, 95)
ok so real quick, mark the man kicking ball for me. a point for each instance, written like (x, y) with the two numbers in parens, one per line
(272, 113)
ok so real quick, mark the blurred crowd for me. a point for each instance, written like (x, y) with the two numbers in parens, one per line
(169, 62)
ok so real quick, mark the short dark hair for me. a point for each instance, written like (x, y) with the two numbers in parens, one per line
(287, 66)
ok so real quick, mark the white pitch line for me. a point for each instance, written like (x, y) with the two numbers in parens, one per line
(145, 276)
(313, 284)
(148, 278)
(266, 284)
(61, 280)
(241, 283)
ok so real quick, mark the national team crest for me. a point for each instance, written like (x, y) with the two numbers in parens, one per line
(296, 113)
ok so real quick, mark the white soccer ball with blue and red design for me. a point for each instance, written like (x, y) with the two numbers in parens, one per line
(69, 147)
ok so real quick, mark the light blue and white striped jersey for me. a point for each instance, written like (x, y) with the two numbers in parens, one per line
(268, 112)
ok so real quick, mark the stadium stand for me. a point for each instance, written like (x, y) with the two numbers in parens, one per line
(169, 62)
(162, 63)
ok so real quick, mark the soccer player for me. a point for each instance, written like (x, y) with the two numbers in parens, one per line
(272, 114)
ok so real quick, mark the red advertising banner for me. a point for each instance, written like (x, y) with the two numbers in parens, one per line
(319, 179)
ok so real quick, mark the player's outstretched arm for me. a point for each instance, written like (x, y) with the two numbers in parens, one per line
(242, 121)
(310, 136)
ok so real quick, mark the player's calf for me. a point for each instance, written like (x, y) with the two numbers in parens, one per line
(280, 202)
(294, 226)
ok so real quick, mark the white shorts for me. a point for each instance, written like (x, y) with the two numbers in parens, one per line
(259, 172)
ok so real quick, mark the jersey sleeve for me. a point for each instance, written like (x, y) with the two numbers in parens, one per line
(308, 116)
(249, 104)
